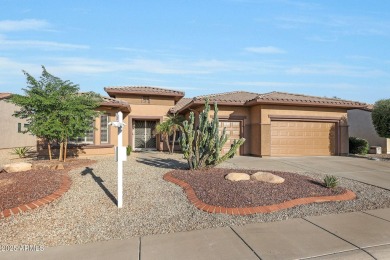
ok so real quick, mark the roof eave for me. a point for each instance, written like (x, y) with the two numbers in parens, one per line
(290, 103)
(121, 107)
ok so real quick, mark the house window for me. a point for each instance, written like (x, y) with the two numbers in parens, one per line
(87, 139)
(24, 129)
(145, 99)
(104, 129)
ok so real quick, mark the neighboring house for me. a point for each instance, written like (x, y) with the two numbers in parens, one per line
(360, 125)
(273, 124)
(12, 128)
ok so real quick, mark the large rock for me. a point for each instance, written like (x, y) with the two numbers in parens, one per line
(48, 166)
(267, 177)
(17, 167)
(238, 176)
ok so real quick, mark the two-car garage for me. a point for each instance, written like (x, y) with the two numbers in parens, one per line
(292, 138)
(300, 138)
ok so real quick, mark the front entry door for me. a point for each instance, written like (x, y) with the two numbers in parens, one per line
(144, 137)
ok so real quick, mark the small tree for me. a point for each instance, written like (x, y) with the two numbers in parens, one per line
(381, 117)
(164, 129)
(175, 123)
(202, 145)
(169, 128)
(55, 111)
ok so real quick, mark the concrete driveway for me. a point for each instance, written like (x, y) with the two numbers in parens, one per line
(376, 173)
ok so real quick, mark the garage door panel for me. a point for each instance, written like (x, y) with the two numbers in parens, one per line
(302, 138)
(233, 130)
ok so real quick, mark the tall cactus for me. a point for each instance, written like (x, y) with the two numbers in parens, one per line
(202, 145)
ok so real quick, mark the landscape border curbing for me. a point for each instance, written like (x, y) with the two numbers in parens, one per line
(64, 187)
(348, 195)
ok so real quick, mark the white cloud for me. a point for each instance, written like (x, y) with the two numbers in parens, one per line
(34, 44)
(23, 25)
(335, 70)
(265, 50)
(283, 85)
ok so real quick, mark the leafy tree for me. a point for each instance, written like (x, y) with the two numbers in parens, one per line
(202, 144)
(381, 117)
(55, 110)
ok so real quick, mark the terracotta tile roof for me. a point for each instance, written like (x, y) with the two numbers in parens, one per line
(180, 104)
(143, 90)
(249, 98)
(282, 97)
(368, 108)
(112, 102)
(230, 97)
(4, 95)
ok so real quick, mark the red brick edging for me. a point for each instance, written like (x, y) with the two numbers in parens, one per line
(65, 185)
(348, 195)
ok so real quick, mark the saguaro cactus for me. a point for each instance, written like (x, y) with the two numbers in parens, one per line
(202, 144)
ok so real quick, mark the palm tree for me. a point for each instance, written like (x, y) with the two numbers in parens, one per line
(175, 122)
(164, 129)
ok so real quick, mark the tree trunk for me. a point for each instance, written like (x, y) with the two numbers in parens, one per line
(167, 143)
(61, 151)
(65, 149)
(173, 141)
(49, 150)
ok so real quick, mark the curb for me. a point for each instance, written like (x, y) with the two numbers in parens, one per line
(64, 187)
(348, 195)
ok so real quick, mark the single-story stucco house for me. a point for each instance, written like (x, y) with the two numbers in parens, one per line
(360, 125)
(273, 124)
(12, 128)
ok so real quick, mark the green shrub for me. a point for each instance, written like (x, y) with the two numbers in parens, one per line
(21, 151)
(129, 149)
(358, 145)
(330, 181)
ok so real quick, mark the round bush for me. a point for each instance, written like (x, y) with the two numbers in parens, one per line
(358, 145)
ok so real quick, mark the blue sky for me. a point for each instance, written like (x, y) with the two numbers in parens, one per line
(323, 48)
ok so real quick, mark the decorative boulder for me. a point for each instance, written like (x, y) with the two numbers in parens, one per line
(49, 166)
(17, 167)
(237, 176)
(267, 177)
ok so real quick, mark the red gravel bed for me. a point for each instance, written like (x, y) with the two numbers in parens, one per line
(212, 188)
(21, 188)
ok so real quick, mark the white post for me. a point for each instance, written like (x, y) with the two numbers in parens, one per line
(120, 160)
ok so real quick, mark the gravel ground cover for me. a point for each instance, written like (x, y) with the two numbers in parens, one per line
(24, 187)
(87, 212)
(20, 188)
(211, 187)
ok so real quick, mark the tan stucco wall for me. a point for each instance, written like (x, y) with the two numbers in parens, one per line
(360, 125)
(10, 137)
(156, 110)
(265, 123)
(255, 131)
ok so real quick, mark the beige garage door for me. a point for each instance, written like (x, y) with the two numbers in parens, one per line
(233, 131)
(290, 138)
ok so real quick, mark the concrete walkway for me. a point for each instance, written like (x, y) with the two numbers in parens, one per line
(357, 235)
